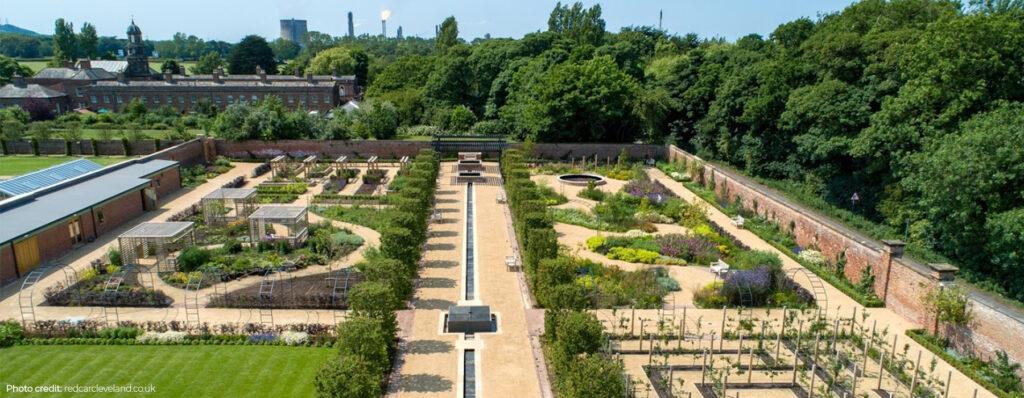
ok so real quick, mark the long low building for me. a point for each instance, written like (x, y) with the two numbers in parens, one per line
(40, 226)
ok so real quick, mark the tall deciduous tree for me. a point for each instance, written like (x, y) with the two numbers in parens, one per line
(284, 49)
(65, 42)
(88, 41)
(582, 25)
(333, 61)
(251, 52)
(208, 63)
(448, 36)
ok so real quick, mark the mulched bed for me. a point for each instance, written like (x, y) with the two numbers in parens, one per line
(90, 294)
(305, 292)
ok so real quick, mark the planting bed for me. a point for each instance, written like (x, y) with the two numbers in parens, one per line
(304, 292)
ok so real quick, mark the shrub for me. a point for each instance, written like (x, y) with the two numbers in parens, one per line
(366, 338)
(114, 256)
(120, 333)
(169, 336)
(292, 337)
(348, 377)
(710, 296)
(592, 193)
(812, 256)
(750, 259)
(10, 333)
(192, 258)
(596, 242)
(633, 255)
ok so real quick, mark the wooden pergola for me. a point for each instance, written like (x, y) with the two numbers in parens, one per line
(271, 223)
(225, 205)
(157, 238)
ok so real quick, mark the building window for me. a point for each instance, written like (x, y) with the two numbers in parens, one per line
(156, 99)
(119, 100)
(181, 100)
(99, 217)
(92, 98)
(216, 99)
(291, 99)
(106, 99)
(79, 92)
(327, 98)
(231, 99)
(145, 99)
(170, 100)
(314, 99)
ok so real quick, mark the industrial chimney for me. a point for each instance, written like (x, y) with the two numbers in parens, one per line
(351, 27)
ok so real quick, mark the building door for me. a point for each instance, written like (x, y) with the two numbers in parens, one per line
(75, 231)
(27, 254)
(149, 198)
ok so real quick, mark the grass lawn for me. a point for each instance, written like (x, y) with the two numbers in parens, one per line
(36, 66)
(175, 371)
(18, 165)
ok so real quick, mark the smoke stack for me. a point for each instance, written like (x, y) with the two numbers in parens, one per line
(351, 27)
(384, 27)
(399, 32)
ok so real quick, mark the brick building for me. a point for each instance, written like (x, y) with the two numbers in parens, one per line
(42, 225)
(89, 85)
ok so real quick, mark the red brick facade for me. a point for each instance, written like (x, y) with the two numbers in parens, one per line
(167, 182)
(8, 271)
(112, 214)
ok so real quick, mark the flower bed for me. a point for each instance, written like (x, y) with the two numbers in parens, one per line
(90, 289)
(306, 292)
(669, 249)
(280, 192)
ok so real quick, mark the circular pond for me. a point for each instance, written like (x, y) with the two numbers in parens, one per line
(581, 179)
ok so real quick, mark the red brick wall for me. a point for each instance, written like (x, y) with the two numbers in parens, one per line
(170, 181)
(53, 242)
(902, 286)
(8, 270)
(118, 211)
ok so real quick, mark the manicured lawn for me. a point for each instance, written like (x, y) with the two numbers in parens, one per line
(36, 66)
(175, 371)
(18, 165)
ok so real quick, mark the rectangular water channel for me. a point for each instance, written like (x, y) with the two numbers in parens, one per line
(469, 374)
(470, 244)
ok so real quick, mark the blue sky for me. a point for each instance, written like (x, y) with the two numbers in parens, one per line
(231, 20)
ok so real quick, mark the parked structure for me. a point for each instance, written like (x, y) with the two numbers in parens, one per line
(42, 225)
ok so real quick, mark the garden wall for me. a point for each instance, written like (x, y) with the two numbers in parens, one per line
(86, 147)
(254, 149)
(900, 282)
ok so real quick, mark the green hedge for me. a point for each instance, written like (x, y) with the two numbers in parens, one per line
(927, 341)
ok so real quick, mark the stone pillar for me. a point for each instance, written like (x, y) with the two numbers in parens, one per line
(942, 276)
(893, 249)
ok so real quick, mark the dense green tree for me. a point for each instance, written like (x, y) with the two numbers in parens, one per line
(10, 67)
(965, 183)
(590, 101)
(348, 377)
(376, 119)
(251, 52)
(448, 35)
(365, 337)
(88, 41)
(171, 66)
(592, 376)
(579, 24)
(65, 42)
(334, 61)
(460, 119)
(284, 49)
(208, 63)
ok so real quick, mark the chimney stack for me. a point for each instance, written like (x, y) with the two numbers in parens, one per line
(262, 74)
(309, 77)
(384, 27)
(217, 73)
(351, 27)
(168, 77)
(122, 77)
(84, 63)
(298, 72)
(18, 80)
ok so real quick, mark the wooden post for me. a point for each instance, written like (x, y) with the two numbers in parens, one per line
(853, 320)
(725, 384)
(721, 331)
(881, 369)
(817, 338)
(632, 320)
(778, 347)
(796, 362)
(650, 352)
(739, 352)
(835, 334)
(750, 365)
(895, 338)
(703, 366)
(684, 321)
(913, 383)
(642, 333)
(814, 369)
(682, 330)
(949, 378)
(671, 373)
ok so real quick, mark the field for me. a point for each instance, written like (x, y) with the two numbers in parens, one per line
(175, 371)
(18, 165)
